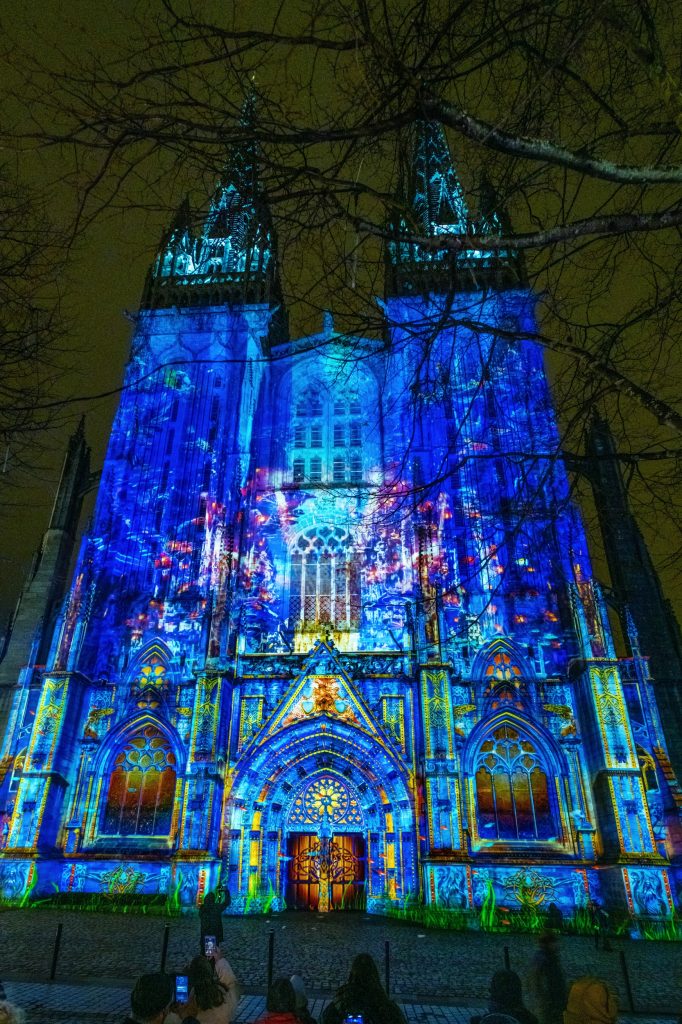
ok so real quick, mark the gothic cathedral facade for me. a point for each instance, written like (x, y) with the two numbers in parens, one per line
(333, 636)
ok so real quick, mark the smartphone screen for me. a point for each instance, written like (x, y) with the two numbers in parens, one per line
(181, 988)
(210, 945)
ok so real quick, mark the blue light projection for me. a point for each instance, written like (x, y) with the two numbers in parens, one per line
(333, 635)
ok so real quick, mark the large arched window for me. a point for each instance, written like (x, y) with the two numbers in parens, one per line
(513, 793)
(325, 581)
(141, 787)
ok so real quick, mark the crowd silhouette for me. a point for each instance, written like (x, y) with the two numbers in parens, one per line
(212, 995)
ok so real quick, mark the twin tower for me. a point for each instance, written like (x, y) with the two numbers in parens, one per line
(332, 637)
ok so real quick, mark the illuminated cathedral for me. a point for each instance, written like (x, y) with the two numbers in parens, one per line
(332, 638)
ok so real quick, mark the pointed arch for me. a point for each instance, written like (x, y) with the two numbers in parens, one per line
(138, 768)
(260, 816)
(501, 661)
(515, 772)
(329, 439)
(151, 666)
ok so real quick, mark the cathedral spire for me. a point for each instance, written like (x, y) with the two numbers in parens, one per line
(437, 198)
(435, 208)
(232, 258)
(241, 166)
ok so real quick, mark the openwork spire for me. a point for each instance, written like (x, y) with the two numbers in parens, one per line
(231, 258)
(435, 209)
(437, 197)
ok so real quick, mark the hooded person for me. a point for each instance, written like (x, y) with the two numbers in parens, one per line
(506, 1002)
(302, 1012)
(590, 1001)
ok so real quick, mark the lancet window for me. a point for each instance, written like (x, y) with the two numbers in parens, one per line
(325, 580)
(516, 800)
(327, 438)
(141, 787)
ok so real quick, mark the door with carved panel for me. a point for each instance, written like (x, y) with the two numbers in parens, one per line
(335, 869)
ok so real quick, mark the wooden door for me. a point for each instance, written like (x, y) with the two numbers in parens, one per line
(343, 866)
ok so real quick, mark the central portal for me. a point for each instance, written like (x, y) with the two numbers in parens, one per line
(326, 873)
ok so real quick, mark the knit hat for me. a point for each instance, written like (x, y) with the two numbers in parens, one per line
(590, 1001)
(10, 1014)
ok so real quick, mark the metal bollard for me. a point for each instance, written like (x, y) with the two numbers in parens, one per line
(271, 955)
(164, 947)
(507, 961)
(387, 966)
(626, 979)
(55, 951)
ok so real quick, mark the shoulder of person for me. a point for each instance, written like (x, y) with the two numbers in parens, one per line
(224, 972)
(495, 1017)
(333, 1011)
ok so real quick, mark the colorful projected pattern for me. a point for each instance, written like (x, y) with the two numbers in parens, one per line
(335, 600)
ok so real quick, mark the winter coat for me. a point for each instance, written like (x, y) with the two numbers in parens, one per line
(227, 1010)
(277, 1018)
(211, 919)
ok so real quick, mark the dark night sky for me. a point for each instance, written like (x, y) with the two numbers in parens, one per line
(105, 279)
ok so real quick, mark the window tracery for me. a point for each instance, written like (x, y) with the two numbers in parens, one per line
(325, 580)
(515, 797)
(141, 790)
(326, 438)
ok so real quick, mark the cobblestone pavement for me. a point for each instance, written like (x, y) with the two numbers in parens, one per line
(438, 967)
(93, 1004)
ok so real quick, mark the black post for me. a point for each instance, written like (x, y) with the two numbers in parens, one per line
(507, 962)
(55, 951)
(271, 955)
(164, 947)
(387, 966)
(626, 979)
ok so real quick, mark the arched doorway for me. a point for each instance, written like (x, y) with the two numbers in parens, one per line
(311, 783)
(325, 842)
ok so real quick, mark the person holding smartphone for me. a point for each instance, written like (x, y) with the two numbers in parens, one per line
(211, 915)
(153, 1001)
(362, 996)
(213, 992)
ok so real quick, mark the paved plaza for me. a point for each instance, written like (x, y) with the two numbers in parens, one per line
(439, 977)
(65, 1004)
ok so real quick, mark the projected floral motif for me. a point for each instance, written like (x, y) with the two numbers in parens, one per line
(326, 797)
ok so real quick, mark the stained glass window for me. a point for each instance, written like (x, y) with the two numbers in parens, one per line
(327, 796)
(141, 787)
(325, 580)
(513, 792)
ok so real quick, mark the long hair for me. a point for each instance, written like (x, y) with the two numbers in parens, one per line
(364, 974)
(207, 991)
(363, 992)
